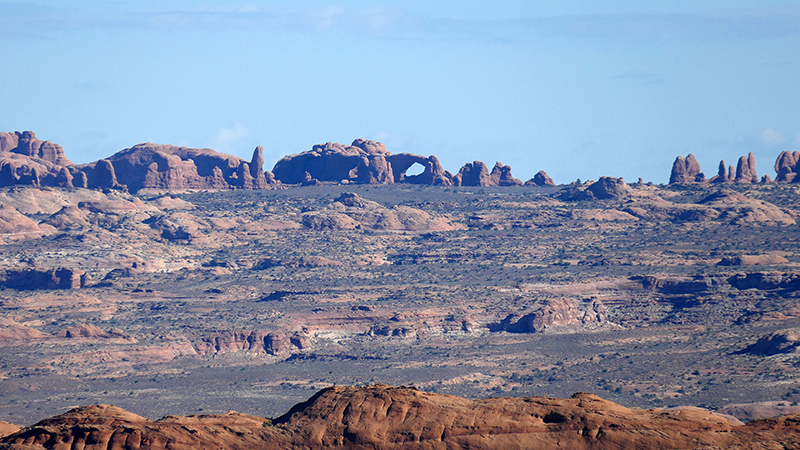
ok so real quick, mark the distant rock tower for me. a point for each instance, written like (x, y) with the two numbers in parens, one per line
(686, 171)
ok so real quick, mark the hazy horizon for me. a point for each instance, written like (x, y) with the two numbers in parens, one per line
(579, 89)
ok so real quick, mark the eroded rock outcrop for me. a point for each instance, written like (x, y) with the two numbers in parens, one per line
(33, 279)
(350, 211)
(766, 281)
(553, 314)
(746, 169)
(780, 342)
(602, 189)
(501, 176)
(786, 167)
(363, 161)
(752, 260)
(686, 170)
(474, 174)
(25, 160)
(269, 342)
(26, 143)
(540, 179)
(387, 417)
(168, 167)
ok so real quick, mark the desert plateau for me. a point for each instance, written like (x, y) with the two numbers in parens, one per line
(342, 299)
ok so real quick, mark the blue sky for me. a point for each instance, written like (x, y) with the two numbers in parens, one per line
(580, 89)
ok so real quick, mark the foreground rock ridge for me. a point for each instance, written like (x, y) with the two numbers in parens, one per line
(385, 417)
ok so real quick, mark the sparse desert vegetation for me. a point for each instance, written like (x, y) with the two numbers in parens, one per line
(254, 300)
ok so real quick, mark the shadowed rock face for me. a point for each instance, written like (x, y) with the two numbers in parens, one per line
(786, 166)
(779, 342)
(389, 417)
(43, 279)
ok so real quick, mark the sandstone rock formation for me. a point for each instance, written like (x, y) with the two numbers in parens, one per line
(739, 208)
(386, 417)
(786, 167)
(779, 342)
(766, 281)
(364, 162)
(501, 176)
(477, 174)
(26, 143)
(722, 174)
(473, 174)
(746, 169)
(156, 166)
(751, 260)
(609, 187)
(686, 170)
(540, 179)
(7, 428)
(553, 314)
(14, 333)
(89, 331)
(350, 211)
(602, 189)
(11, 221)
(32, 279)
(25, 160)
(272, 343)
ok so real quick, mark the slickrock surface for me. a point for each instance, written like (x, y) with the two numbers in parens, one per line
(386, 417)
